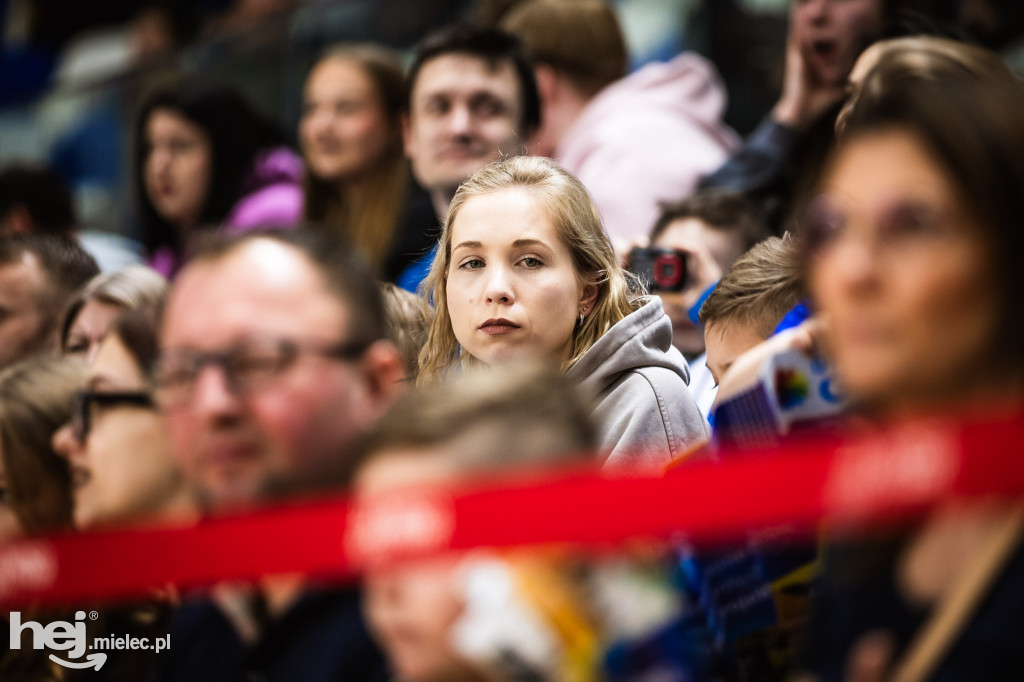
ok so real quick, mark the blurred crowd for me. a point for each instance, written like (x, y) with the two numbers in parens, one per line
(509, 251)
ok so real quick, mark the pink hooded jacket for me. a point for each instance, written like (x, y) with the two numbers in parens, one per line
(646, 138)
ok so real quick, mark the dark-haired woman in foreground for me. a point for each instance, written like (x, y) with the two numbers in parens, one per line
(913, 249)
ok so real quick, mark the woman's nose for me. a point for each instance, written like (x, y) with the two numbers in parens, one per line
(854, 263)
(460, 121)
(65, 443)
(817, 10)
(214, 394)
(499, 286)
(90, 353)
(159, 159)
(317, 121)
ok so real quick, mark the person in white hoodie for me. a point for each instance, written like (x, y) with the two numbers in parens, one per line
(525, 271)
(633, 140)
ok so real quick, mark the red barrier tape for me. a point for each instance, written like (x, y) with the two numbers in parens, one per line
(885, 477)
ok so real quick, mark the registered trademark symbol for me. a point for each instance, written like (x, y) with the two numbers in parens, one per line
(93, 615)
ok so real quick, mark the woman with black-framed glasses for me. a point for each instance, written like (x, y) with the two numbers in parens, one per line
(117, 441)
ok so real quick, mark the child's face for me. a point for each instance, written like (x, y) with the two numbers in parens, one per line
(411, 609)
(726, 341)
(705, 246)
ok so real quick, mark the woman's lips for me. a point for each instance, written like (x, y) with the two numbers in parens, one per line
(498, 327)
(825, 50)
(327, 147)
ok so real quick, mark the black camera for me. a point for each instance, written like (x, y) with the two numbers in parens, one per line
(659, 269)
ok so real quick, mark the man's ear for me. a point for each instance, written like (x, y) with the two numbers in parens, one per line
(17, 221)
(547, 83)
(384, 373)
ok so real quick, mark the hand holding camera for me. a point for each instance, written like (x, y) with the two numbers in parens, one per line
(659, 269)
(675, 270)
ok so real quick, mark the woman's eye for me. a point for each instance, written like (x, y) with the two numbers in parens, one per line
(488, 108)
(347, 108)
(908, 220)
(823, 222)
(532, 262)
(80, 348)
(471, 264)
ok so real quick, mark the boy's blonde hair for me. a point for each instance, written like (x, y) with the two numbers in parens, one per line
(760, 288)
(408, 319)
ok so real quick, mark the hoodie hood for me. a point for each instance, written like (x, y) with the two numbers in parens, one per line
(688, 87)
(273, 194)
(648, 138)
(275, 166)
(641, 340)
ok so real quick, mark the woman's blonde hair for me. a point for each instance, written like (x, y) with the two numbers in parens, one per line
(762, 286)
(408, 319)
(578, 223)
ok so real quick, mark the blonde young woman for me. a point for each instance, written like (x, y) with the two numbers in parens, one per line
(525, 270)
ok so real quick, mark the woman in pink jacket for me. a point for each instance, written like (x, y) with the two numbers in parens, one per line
(204, 157)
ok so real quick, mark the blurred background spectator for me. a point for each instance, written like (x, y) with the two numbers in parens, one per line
(38, 276)
(92, 311)
(358, 180)
(204, 157)
(632, 140)
(78, 74)
(34, 199)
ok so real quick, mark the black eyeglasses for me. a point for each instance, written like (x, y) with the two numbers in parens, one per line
(87, 402)
(246, 367)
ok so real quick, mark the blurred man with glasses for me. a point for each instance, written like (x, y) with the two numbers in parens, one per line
(273, 360)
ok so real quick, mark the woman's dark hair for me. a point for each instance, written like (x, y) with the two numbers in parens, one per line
(137, 330)
(971, 122)
(721, 210)
(237, 132)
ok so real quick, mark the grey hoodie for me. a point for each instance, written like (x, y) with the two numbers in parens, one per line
(645, 414)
